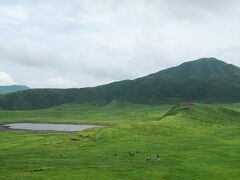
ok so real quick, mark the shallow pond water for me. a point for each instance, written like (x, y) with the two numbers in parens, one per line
(48, 127)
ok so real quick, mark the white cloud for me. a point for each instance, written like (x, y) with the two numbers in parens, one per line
(5, 79)
(13, 14)
(54, 82)
(61, 82)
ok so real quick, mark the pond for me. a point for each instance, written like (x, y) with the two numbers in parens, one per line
(48, 127)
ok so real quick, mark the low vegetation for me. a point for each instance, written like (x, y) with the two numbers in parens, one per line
(184, 141)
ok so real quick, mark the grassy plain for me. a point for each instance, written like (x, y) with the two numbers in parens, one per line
(200, 143)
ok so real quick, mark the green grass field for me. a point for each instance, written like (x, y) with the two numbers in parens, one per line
(200, 143)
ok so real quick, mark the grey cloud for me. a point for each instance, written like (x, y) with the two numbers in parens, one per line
(28, 55)
(92, 42)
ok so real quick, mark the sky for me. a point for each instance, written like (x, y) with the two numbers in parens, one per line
(81, 43)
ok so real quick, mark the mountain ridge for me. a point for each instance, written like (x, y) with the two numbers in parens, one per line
(203, 80)
(5, 89)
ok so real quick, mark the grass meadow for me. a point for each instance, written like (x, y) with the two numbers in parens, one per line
(137, 142)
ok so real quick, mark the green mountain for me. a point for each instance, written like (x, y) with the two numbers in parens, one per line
(202, 80)
(12, 88)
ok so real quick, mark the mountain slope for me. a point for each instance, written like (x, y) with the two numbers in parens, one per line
(203, 80)
(206, 79)
(203, 69)
(12, 88)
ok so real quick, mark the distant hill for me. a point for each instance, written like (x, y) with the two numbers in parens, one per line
(202, 80)
(12, 88)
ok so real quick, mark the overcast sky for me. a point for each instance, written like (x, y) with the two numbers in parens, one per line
(78, 43)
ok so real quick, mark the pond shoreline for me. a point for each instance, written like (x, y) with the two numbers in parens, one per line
(48, 127)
